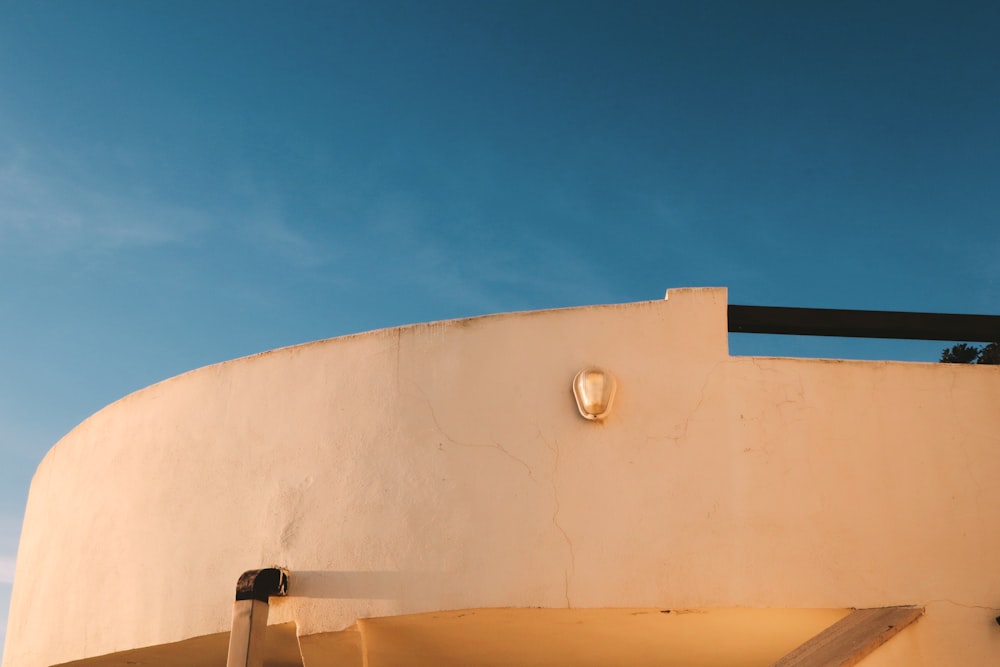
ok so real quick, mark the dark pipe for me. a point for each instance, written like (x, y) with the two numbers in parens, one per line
(262, 584)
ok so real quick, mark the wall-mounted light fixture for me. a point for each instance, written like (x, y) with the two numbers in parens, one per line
(594, 389)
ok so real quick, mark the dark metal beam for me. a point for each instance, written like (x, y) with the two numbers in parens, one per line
(864, 323)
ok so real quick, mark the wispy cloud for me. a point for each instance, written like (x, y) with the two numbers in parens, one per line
(6, 569)
(51, 206)
(464, 264)
(46, 211)
(258, 215)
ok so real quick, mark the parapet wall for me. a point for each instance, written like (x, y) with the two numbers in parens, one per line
(444, 466)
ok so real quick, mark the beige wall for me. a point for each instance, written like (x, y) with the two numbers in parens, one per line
(444, 466)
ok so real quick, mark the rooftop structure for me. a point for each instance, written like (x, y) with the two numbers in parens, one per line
(433, 495)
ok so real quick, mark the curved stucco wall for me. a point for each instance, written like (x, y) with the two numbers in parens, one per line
(444, 466)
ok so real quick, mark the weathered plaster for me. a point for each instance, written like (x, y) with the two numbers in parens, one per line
(444, 466)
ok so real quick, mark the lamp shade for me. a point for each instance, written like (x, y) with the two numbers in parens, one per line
(594, 389)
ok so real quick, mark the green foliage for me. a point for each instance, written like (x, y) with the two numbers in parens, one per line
(990, 354)
(963, 353)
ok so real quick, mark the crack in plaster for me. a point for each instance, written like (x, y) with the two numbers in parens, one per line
(789, 408)
(965, 606)
(690, 416)
(557, 506)
(800, 392)
(496, 446)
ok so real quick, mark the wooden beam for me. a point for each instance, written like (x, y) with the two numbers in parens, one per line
(850, 639)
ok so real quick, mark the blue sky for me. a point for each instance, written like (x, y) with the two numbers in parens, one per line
(187, 182)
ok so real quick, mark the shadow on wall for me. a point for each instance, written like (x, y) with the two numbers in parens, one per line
(373, 585)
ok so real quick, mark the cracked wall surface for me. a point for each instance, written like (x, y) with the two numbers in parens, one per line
(444, 466)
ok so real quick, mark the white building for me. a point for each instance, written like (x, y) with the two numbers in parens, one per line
(436, 499)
